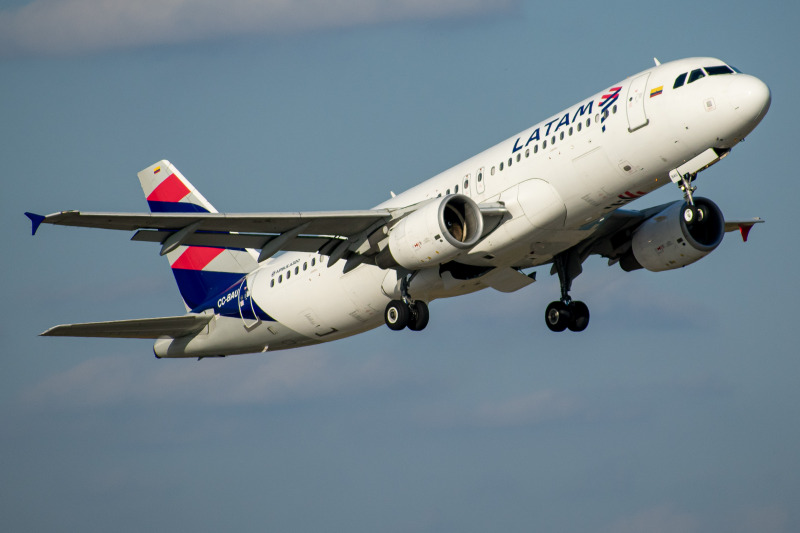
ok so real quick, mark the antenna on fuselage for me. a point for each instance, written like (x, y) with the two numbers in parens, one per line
(658, 63)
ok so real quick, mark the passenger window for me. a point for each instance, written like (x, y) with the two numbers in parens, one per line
(288, 274)
(272, 283)
(535, 148)
(519, 156)
(313, 261)
(696, 75)
(447, 191)
(597, 118)
(570, 131)
(501, 167)
(679, 80)
(588, 122)
(466, 184)
(544, 144)
(305, 266)
(480, 177)
(510, 160)
(527, 152)
(553, 139)
(492, 171)
(280, 278)
(579, 125)
(297, 270)
(562, 136)
(614, 109)
(456, 189)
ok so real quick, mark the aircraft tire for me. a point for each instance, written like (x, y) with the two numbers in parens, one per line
(557, 316)
(397, 315)
(690, 215)
(579, 318)
(420, 315)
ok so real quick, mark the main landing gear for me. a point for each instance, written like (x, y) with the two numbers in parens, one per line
(566, 313)
(400, 314)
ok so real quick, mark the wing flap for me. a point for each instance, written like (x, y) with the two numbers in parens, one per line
(142, 328)
(300, 243)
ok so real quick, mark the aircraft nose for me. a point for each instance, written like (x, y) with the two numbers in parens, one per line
(750, 97)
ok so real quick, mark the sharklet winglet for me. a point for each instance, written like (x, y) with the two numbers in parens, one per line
(36, 221)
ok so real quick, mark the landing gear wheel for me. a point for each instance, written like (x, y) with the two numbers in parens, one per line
(701, 213)
(579, 316)
(557, 316)
(419, 316)
(397, 315)
(691, 215)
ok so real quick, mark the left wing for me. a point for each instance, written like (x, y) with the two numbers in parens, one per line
(337, 234)
(269, 232)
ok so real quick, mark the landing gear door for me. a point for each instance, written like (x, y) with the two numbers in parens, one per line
(635, 103)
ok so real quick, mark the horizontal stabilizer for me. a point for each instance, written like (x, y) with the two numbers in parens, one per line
(142, 328)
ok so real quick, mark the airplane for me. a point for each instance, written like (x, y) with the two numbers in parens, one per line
(550, 195)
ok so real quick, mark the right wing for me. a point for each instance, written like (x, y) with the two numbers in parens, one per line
(143, 328)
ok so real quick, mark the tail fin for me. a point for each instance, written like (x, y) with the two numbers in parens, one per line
(201, 272)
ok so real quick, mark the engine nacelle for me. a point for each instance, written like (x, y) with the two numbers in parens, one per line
(435, 233)
(665, 241)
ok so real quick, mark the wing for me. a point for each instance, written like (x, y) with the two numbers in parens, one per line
(144, 328)
(354, 235)
(269, 232)
(612, 237)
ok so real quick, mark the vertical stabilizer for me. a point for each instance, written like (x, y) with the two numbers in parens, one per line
(201, 272)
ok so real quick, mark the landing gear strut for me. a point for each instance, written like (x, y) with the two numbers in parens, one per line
(691, 213)
(567, 313)
(400, 314)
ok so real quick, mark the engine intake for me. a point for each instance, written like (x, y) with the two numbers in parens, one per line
(666, 242)
(436, 233)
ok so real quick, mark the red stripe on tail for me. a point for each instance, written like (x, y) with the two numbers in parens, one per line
(171, 189)
(197, 257)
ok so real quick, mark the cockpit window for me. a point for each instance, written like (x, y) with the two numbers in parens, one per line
(696, 74)
(679, 80)
(721, 69)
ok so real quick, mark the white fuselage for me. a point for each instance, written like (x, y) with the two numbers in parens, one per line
(557, 179)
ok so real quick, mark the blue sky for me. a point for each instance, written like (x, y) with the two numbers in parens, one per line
(675, 411)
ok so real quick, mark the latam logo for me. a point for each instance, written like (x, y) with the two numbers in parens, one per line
(606, 101)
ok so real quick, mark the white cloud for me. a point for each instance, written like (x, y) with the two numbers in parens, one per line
(520, 411)
(244, 380)
(661, 519)
(74, 26)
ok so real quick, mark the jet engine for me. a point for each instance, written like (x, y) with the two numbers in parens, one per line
(436, 233)
(666, 241)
